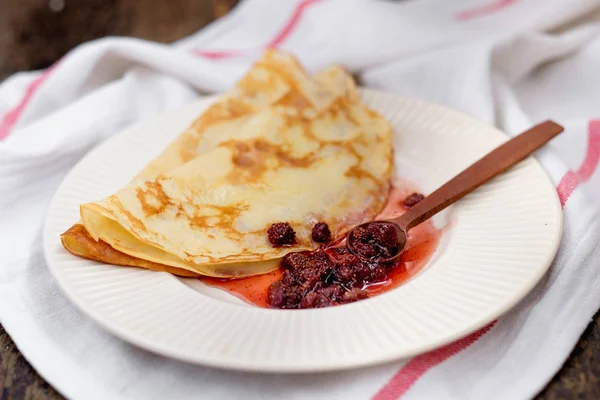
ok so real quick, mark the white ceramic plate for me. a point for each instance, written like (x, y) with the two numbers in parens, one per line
(502, 239)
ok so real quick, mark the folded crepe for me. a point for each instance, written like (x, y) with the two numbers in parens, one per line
(281, 146)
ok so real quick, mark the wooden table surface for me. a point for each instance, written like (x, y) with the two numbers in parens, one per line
(35, 33)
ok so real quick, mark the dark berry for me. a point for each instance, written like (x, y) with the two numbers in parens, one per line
(314, 300)
(288, 278)
(351, 259)
(309, 277)
(332, 292)
(354, 295)
(377, 275)
(361, 234)
(276, 295)
(321, 233)
(363, 271)
(366, 250)
(294, 295)
(281, 234)
(384, 235)
(344, 273)
(295, 261)
(412, 200)
(321, 262)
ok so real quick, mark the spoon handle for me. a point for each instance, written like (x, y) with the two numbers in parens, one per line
(492, 164)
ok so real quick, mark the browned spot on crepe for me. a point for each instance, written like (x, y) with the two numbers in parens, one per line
(153, 199)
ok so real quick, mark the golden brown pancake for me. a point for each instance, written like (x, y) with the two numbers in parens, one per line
(279, 146)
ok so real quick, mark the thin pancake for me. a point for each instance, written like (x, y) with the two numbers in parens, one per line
(272, 79)
(336, 151)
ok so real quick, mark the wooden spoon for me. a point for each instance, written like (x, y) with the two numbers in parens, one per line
(494, 163)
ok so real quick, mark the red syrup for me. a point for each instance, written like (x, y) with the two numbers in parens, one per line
(422, 243)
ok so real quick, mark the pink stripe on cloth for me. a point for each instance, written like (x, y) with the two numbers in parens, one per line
(481, 11)
(573, 179)
(215, 55)
(410, 373)
(289, 27)
(12, 116)
(280, 37)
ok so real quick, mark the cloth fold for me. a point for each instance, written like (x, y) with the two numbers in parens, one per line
(510, 63)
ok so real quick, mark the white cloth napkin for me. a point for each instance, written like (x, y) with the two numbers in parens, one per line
(511, 63)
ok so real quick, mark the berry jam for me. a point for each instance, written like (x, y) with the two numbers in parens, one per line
(376, 241)
(331, 276)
